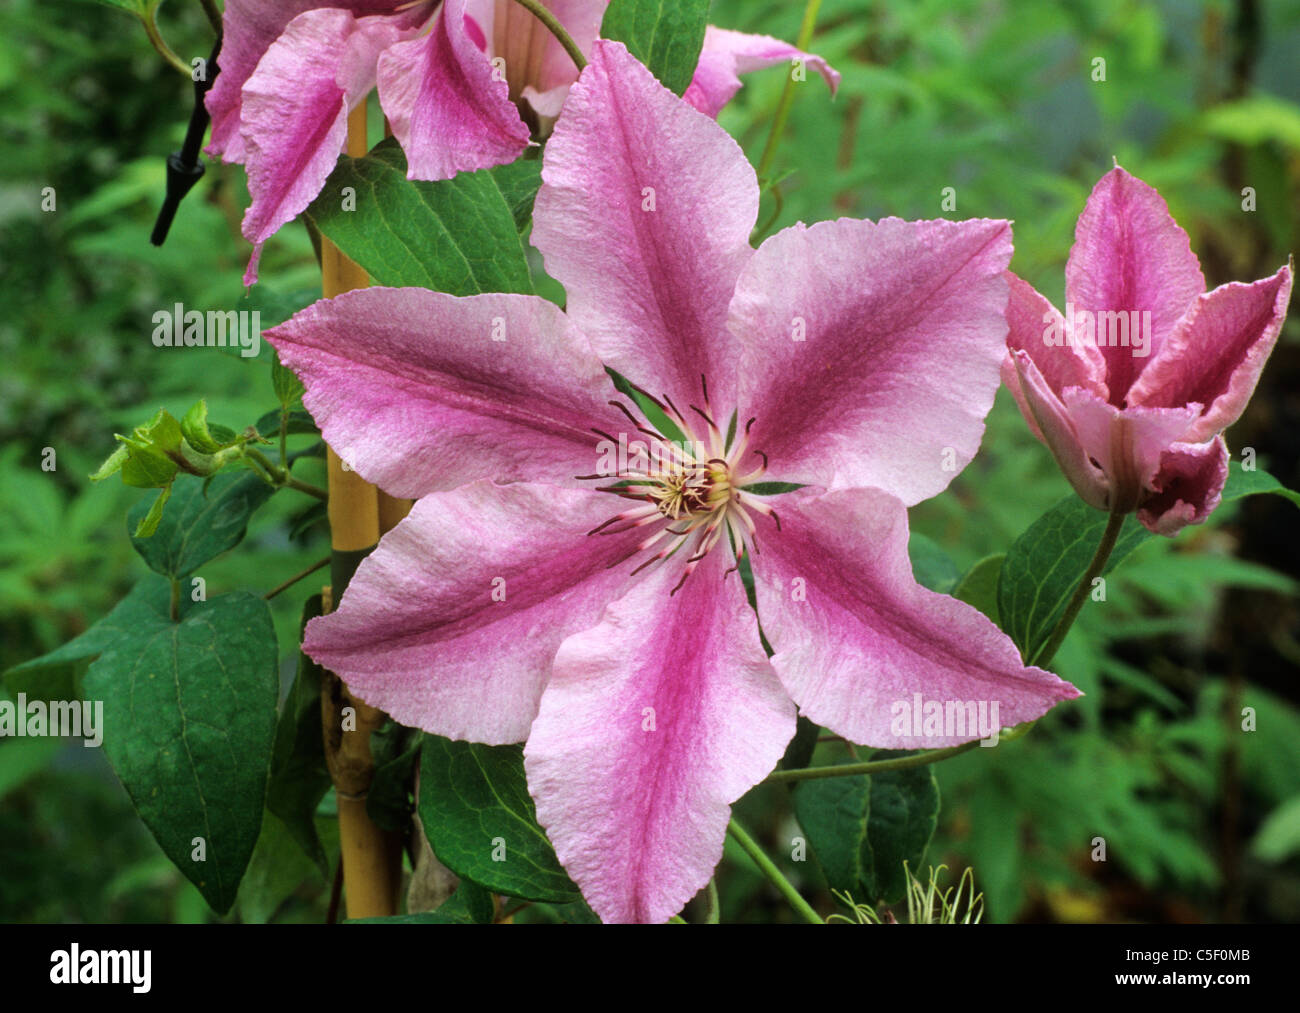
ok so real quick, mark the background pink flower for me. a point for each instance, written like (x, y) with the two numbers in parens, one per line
(1132, 390)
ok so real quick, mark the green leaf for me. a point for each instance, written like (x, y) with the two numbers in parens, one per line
(457, 235)
(1279, 837)
(300, 423)
(931, 565)
(189, 709)
(904, 811)
(478, 902)
(198, 434)
(1046, 563)
(58, 665)
(519, 182)
(388, 802)
(197, 525)
(862, 828)
(665, 35)
(288, 388)
(1248, 483)
(148, 524)
(299, 775)
(979, 587)
(275, 872)
(453, 911)
(112, 464)
(799, 752)
(475, 807)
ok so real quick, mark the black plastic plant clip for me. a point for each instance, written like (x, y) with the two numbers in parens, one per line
(184, 167)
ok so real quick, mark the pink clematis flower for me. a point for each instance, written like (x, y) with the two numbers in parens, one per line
(522, 599)
(448, 76)
(1132, 388)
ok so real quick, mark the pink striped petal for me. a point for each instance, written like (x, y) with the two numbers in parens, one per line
(857, 639)
(1130, 255)
(445, 106)
(871, 351)
(1052, 424)
(653, 723)
(451, 624)
(1187, 488)
(727, 54)
(249, 27)
(1038, 329)
(414, 390)
(649, 287)
(1127, 445)
(1216, 352)
(295, 108)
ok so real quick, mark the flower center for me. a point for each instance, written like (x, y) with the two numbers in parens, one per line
(690, 489)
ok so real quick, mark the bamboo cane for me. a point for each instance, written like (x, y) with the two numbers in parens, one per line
(371, 857)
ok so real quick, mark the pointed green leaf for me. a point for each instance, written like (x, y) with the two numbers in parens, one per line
(481, 822)
(189, 713)
(1046, 563)
(862, 828)
(196, 526)
(455, 235)
(665, 35)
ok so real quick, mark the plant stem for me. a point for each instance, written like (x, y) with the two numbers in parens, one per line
(870, 766)
(174, 605)
(770, 870)
(295, 578)
(160, 44)
(787, 96)
(1104, 548)
(281, 476)
(713, 910)
(555, 28)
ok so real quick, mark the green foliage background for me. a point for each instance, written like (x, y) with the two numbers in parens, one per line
(994, 99)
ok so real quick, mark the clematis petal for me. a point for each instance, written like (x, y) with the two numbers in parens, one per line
(1052, 424)
(1130, 255)
(248, 27)
(295, 108)
(1037, 328)
(1216, 352)
(420, 390)
(644, 216)
(446, 107)
(856, 638)
(1127, 445)
(871, 351)
(727, 54)
(653, 723)
(1187, 488)
(451, 623)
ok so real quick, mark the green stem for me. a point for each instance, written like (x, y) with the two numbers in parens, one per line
(870, 766)
(284, 437)
(770, 870)
(787, 96)
(712, 909)
(1099, 558)
(295, 578)
(555, 28)
(160, 44)
(281, 476)
(174, 606)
